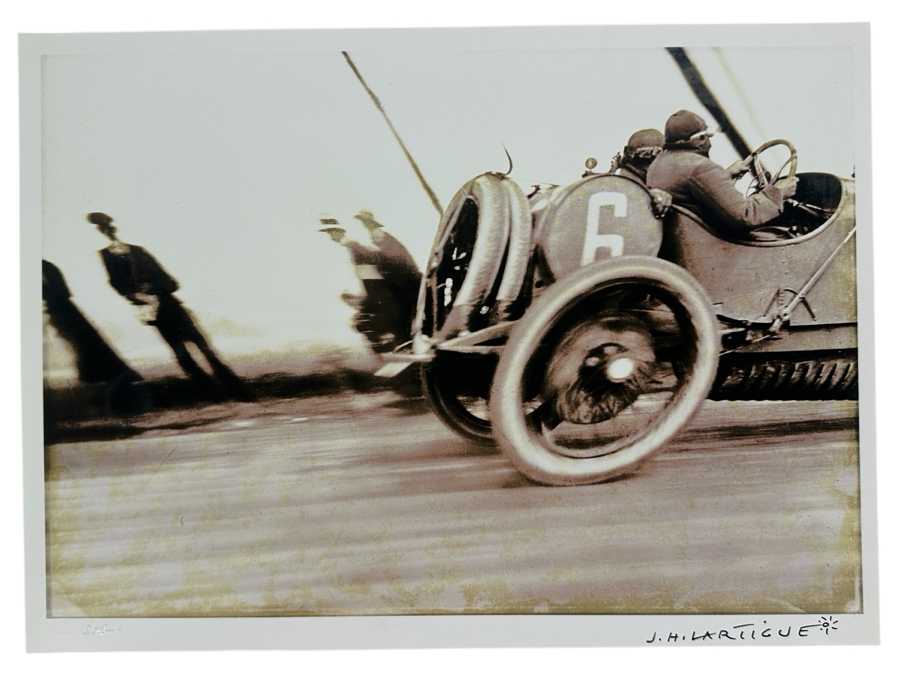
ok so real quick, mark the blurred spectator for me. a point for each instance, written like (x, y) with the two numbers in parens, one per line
(378, 316)
(398, 268)
(137, 276)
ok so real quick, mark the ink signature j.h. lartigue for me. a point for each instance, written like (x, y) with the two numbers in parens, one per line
(748, 632)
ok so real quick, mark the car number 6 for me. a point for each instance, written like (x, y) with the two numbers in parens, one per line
(595, 241)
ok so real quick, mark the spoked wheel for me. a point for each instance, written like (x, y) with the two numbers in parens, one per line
(599, 368)
(603, 370)
(451, 385)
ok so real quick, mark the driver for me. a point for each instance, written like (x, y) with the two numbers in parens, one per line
(684, 170)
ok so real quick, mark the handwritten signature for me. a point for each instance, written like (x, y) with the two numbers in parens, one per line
(748, 631)
(99, 630)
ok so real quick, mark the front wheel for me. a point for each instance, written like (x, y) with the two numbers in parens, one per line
(603, 370)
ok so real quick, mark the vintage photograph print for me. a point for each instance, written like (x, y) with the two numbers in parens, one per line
(377, 331)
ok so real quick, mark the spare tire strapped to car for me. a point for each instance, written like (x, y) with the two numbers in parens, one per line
(467, 255)
(518, 251)
(478, 264)
(490, 215)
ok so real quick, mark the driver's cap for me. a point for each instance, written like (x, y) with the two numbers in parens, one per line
(682, 125)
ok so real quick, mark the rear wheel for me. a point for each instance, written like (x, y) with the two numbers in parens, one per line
(450, 385)
(603, 370)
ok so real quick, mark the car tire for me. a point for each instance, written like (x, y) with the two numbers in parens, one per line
(523, 438)
(467, 257)
(440, 385)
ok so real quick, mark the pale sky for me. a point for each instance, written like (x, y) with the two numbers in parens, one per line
(221, 164)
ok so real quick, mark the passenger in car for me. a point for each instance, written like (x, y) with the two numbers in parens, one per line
(642, 148)
(684, 170)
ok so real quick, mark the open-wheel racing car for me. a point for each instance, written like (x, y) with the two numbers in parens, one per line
(580, 327)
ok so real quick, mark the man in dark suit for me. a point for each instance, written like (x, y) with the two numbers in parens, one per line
(399, 270)
(138, 276)
(378, 316)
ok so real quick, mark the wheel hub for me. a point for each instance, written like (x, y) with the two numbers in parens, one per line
(599, 368)
(620, 369)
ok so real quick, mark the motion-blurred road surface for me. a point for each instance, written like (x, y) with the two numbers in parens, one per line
(363, 505)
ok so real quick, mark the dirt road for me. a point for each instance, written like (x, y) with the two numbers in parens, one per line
(362, 505)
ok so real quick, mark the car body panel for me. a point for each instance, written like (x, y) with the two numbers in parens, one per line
(598, 217)
(750, 281)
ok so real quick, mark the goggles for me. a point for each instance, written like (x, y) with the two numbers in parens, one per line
(646, 152)
(700, 135)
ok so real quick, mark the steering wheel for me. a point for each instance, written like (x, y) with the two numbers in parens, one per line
(761, 177)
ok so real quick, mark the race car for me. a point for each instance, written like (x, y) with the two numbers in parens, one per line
(581, 327)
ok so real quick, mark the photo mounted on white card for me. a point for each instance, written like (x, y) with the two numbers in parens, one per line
(448, 338)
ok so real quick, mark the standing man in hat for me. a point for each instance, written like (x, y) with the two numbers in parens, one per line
(137, 276)
(393, 251)
(399, 270)
(684, 170)
(377, 316)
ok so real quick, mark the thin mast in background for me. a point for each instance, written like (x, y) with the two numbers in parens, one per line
(412, 162)
(742, 95)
